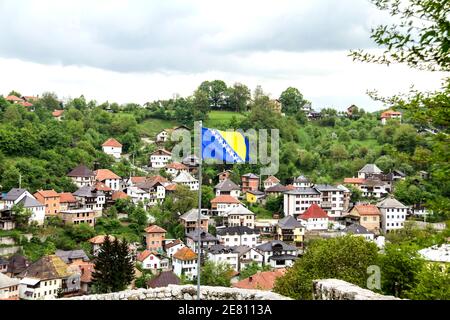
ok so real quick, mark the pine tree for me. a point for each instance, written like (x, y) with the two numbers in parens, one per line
(114, 269)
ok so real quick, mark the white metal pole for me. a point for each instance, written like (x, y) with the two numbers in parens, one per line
(199, 243)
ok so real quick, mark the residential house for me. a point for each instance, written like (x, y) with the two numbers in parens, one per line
(354, 182)
(189, 220)
(67, 201)
(240, 216)
(223, 203)
(276, 190)
(250, 182)
(112, 147)
(314, 218)
(154, 238)
(366, 215)
(297, 201)
(82, 176)
(238, 236)
(98, 241)
(206, 240)
(223, 254)
(155, 191)
(227, 187)
(186, 179)
(13, 99)
(9, 288)
(153, 261)
(85, 270)
(3, 265)
(13, 197)
(163, 279)
(184, 262)
(57, 114)
(17, 264)
(369, 170)
(173, 246)
(174, 168)
(44, 279)
(390, 114)
(374, 188)
(290, 230)
(356, 229)
(255, 196)
(90, 198)
(248, 256)
(393, 214)
(302, 182)
(278, 254)
(72, 256)
(36, 208)
(162, 136)
(116, 195)
(160, 158)
(346, 196)
(266, 227)
(224, 175)
(109, 178)
(262, 280)
(270, 182)
(78, 216)
(192, 161)
(351, 110)
(332, 199)
(7, 220)
(51, 199)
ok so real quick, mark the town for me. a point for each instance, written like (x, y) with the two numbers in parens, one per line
(257, 226)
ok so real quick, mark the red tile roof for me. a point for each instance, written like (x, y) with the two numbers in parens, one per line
(119, 195)
(13, 98)
(389, 113)
(367, 210)
(100, 239)
(226, 198)
(48, 193)
(138, 179)
(103, 174)
(314, 211)
(272, 179)
(261, 280)
(26, 104)
(176, 166)
(66, 197)
(185, 254)
(57, 113)
(354, 180)
(111, 142)
(144, 255)
(160, 152)
(172, 244)
(171, 187)
(154, 229)
(102, 187)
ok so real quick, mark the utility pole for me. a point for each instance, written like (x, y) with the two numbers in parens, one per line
(20, 181)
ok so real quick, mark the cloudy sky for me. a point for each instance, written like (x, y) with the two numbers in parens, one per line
(141, 50)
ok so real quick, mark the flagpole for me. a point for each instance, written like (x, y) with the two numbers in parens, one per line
(199, 244)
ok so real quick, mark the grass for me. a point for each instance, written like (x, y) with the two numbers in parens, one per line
(216, 118)
(151, 127)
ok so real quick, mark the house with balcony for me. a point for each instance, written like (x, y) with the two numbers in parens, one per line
(332, 199)
(160, 158)
(186, 179)
(206, 241)
(238, 236)
(278, 254)
(227, 187)
(184, 262)
(223, 254)
(250, 182)
(189, 220)
(155, 237)
(82, 176)
(290, 230)
(90, 198)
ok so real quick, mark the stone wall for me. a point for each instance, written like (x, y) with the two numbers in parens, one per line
(335, 289)
(186, 292)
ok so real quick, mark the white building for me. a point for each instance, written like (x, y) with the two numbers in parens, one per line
(186, 179)
(240, 216)
(223, 254)
(393, 214)
(153, 261)
(160, 158)
(299, 200)
(138, 195)
(238, 236)
(91, 198)
(173, 246)
(249, 255)
(112, 147)
(13, 197)
(9, 287)
(332, 199)
(369, 170)
(302, 182)
(223, 203)
(374, 188)
(174, 168)
(314, 218)
(270, 182)
(184, 262)
(82, 176)
(228, 187)
(278, 254)
(206, 240)
(109, 178)
(155, 190)
(163, 136)
(36, 208)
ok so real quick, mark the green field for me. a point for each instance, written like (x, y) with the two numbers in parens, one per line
(151, 127)
(220, 117)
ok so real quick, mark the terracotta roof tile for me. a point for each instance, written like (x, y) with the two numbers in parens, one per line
(119, 195)
(66, 197)
(176, 166)
(26, 104)
(103, 174)
(354, 180)
(100, 239)
(111, 142)
(48, 193)
(224, 199)
(261, 280)
(13, 98)
(367, 210)
(154, 229)
(185, 254)
(314, 211)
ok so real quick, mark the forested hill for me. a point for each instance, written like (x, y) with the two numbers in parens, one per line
(40, 150)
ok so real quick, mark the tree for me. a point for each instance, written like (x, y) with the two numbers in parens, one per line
(405, 138)
(400, 266)
(216, 274)
(49, 100)
(238, 97)
(114, 269)
(432, 284)
(21, 216)
(252, 269)
(345, 258)
(15, 93)
(215, 91)
(291, 101)
(207, 196)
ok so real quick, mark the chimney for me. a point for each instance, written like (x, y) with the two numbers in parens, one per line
(250, 279)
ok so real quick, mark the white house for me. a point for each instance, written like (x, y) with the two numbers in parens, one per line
(36, 208)
(302, 182)
(9, 287)
(249, 255)
(223, 254)
(155, 190)
(356, 229)
(112, 147)
(184, 262)
(223, 203)
(332, 199)
(240, 216)
(109, 178)
(163, 136)
(369, 170)
(374, 188)
(206, 240)
(91, 198)
(153, 261)
(227, 187)
(186, 179)
(278, 254)
(137, 195)
(13, 197)
(160, 158)
(173, 246)
(270, 182)
(314, 218)
(82, 176)
(174, 168)
(393, 214)
(299, 200)
(390, 114)
(238, 236)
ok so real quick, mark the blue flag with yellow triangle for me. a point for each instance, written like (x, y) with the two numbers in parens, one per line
(229, 147)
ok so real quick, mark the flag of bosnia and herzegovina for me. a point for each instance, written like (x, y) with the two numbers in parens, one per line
(229, 147)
